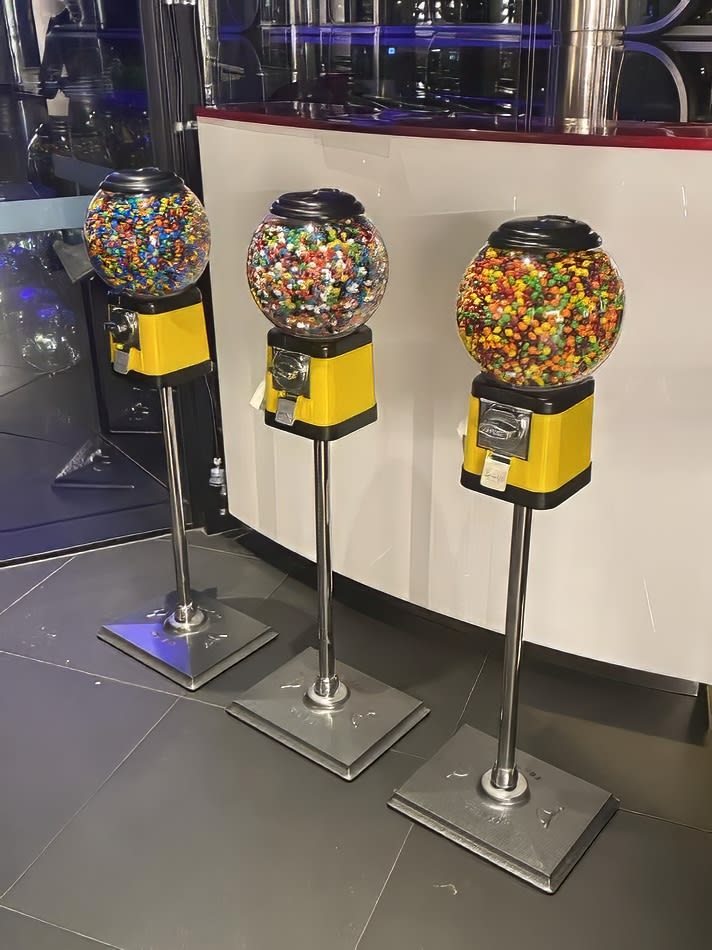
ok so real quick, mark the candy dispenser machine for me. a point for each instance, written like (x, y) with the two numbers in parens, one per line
(148, 238)
(317, 269)
(539, 308)
(137, 243)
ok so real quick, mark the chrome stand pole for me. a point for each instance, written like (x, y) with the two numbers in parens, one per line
(186, 615)
(327, 690)
(503, 781)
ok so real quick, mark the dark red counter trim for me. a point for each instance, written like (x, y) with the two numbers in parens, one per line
(685, 137)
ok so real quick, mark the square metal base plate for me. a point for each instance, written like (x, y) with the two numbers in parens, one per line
(193, 659)
(344, 740)
(539, 839)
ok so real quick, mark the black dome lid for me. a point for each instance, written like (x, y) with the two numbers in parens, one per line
(322, 204)
(142, 181)
(548, 232)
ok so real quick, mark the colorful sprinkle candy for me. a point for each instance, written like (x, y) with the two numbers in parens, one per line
(317, 279)
(540, 320)
(147, 245)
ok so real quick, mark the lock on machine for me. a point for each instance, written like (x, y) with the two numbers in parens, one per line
(320, 389)
(529, 448)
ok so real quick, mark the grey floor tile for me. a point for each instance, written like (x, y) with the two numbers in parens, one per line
(434, 665)
(63, 734)
(295, 628)
(59, 621)
(18, 932)
(76, 533)
(635, 742)
(17, 581)
(228, 542)
(643, 884)
(213, 836)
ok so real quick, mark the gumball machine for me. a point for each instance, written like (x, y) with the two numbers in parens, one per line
(539, 308)
(148, 238)
(317, 269)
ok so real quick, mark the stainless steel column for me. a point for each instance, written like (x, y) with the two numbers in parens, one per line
(504, 772)
(185, 613)
(208, 25)
(587, 55)
(327, 682)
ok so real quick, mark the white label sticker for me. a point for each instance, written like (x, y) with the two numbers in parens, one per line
(258, 398)
(495, 472)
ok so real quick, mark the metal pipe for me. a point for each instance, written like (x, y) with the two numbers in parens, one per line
(327, 682)
(587, 54)
(208, 21)
(185, 609)
(504, 772)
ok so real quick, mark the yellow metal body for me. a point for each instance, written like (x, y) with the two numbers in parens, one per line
(559, 448)
(167, 342)
(342, 391)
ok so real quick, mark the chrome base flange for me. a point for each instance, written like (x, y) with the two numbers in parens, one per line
(189, 651)
(367, 719)
(538, 833)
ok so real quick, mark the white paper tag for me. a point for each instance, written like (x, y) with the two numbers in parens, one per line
(495, 472)
(258, 397)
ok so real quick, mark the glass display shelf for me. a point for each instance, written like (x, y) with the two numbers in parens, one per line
(645, 18)
(502, 78)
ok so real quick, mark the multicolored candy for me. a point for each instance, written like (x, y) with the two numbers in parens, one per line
(147, 245)
(542, 319)
(317, 279)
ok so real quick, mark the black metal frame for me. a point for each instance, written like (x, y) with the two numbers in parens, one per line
(175, 89)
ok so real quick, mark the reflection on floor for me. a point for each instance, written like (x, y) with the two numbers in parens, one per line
(45, 418)
(139, 816)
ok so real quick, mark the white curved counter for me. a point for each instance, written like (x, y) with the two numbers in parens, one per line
(619, 573)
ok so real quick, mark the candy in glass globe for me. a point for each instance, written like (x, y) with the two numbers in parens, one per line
(147, 234)
(317, 267)
(541, 305)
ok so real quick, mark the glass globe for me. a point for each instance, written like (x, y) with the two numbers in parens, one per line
(541, 305)
(147, 235)
(317, 267)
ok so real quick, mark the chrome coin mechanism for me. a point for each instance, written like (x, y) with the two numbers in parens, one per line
(290, 372)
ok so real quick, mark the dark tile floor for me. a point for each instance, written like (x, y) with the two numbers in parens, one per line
(136, 816)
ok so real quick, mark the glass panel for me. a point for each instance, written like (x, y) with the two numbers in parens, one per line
(379, 70)
(652, 87)
(79, 443)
